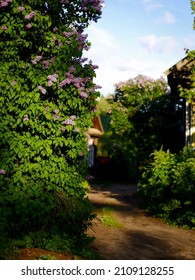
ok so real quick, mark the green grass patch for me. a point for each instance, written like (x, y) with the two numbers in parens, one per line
(107, 217)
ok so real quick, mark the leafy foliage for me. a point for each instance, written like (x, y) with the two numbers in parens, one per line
(144, 117)
(168, 186)
(47, 100)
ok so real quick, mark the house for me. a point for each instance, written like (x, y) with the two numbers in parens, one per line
(180, 74)
(94, 133)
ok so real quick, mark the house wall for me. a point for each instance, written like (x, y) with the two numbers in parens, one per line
(193, 125)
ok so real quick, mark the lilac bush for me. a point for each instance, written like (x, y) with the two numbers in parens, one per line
(47, 98)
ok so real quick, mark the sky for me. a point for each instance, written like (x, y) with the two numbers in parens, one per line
(139, 37)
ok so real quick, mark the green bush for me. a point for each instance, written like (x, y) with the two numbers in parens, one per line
(47, 101)
(168, 184)
(49, 211)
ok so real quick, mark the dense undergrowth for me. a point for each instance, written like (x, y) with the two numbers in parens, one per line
(168, 184)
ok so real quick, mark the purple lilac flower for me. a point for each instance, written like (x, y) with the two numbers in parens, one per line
(31, 15)
(52, 59)
(53, 78)
(81, 154)
(73, 117)
(56, 116)
(64, 82)
(37, 59)
(20, 9)
(83, 95)
(28, 26)
(45, 64)
(69, 122)
(13, 83)
(60, 45)
(76, 129)
(72, 69)
(50, 83)
(4, 27)
(4, 4)
(64, 1)
(55, 29)
(2, 172)
(54, 39)
(43, 90)
(56, 111)
(25, 118)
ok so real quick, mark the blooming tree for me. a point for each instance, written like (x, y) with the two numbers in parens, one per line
(143, 118)
(47, 100)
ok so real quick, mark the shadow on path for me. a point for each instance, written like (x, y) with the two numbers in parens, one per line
(141, 237)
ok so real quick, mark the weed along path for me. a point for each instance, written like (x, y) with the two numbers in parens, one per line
(123, 229)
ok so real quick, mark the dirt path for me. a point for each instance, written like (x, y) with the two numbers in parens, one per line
(141, 236)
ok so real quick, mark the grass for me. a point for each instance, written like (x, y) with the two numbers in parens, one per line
(107, 218)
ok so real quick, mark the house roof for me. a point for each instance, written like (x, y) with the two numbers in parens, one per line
(181, 68)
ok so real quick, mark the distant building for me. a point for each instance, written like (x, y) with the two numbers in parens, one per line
(180, 74)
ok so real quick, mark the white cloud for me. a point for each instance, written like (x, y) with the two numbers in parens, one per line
(189, 41)
(168, 18)
(151, 5)
(158, 44)
(119, 60)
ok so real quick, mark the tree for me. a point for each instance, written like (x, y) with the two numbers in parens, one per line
(188, 92)
(47, 100)
(143, 119)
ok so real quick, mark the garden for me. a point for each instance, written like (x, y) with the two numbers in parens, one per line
(48, 100)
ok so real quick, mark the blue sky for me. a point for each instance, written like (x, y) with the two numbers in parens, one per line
(139, 37)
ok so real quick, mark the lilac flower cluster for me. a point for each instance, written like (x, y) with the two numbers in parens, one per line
(42, 89)
(4, 3)
(82, 40)
(46, 63)
(52, 79)
(28, 26)
(13, 83)
(25, 118)
(83, 95)
(94, 4)
(36, 59)
(4, 27)
(77, 82)
(73, 117)
(20, 9)
(55, 115)
(64, 2)
(2, 172)
(29, 16)
(69, 122)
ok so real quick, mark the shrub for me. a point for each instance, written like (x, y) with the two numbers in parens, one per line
(168, 186)
(47, 100)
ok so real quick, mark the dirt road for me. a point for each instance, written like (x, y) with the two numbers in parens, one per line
(140, 236)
